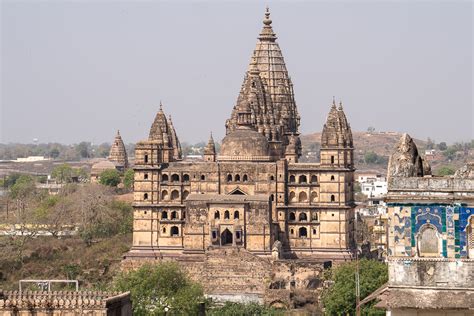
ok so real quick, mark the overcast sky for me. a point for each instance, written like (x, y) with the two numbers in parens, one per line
(80, 70)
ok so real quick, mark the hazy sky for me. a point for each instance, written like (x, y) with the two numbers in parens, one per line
(79, 70)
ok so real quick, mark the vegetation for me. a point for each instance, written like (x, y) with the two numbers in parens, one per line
(161, 288)
(445, 171)
(237, 309)
(371, 157)
(340, 298)
(65, 173)
(128, 178)
(110, 177)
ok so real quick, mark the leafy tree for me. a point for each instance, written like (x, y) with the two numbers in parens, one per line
(340, 298)
(24, 187)
(11, 180)
(54, 153)
(84, 150)
(370, 129)
(442, 146)
(371, 157)
(63, 173)
(128, 178)
(161, 288)
(445, 171)
(239, 309)
(110, 177)
(450, 153)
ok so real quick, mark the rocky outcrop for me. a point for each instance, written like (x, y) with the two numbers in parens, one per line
(406, 161)
(465, 172)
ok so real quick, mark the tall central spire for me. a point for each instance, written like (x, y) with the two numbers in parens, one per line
(267, 90)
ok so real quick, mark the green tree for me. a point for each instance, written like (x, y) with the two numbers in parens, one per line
(84, 149)
(445, 171)
(442, 146)
(54, 153)
(371, 157)
(63, 173)
(110, 177)
(128, 178)
(340, 298)
(24, 187)
(161, 288)
(450, 153)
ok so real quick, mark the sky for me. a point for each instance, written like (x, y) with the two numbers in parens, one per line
(76, 71)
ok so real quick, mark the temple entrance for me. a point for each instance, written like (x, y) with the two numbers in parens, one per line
(428, 242)
(226, 238)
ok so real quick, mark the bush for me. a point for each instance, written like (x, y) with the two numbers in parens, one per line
(238, 309)
(161, 288)
(445, 171)
(128, 178)
(110, 178)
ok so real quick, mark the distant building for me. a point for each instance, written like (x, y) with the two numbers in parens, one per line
(32, 159)
(118, 159)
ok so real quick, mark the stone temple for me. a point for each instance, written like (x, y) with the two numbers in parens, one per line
(253, 204)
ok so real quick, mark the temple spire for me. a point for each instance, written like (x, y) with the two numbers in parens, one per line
(267, 33)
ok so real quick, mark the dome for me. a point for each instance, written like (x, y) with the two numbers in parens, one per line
(101, 166)
(244, 144)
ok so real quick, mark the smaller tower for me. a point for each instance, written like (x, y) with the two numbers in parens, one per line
(336, 140)
(210, 150)
(118, 153)
(291, 151)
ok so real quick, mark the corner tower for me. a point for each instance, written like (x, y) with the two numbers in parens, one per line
(268, 90)
(337, 148)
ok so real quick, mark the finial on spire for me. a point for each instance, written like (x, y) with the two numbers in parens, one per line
(340, 105)
(169, 117)
(161, 106)
(118, 132)
(333, 101)
(267, 20)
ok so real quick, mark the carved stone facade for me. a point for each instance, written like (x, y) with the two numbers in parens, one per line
(64, 303)
(118, 153)
(254, 195)
(431, 240)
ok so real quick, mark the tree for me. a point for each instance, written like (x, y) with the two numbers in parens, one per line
(110, 177)
(128, 178)
(161, 288)
(370, 129)
(54, 153)
(63, 173)
(430, 144)
(442, 146)
(340, 298)
(445, 171)
(84, 150)
(371, 157)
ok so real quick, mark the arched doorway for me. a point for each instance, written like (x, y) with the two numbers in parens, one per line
(428, 241)
(226, 238)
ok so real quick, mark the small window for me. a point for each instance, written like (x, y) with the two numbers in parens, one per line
(164, 230)
(314, 216)
(332, 159)
(226, 215)
(314, 179)
(174, 231)
(292, 231)
(303, 217)
(332, 178)
(303, 232)
(237, 178)
(292, 179)
(174, 215)
(245, 178)
(145, 158)
(145, 176)
(164, 195)
(314, 231)
(238, 236)
(302, 179)
(164, 178)
(292, 216)
(145, 196)
(333, 198)
(175, 195)
(229, 178)
(236, 215)
(175, 178)
(217, 215)
(164, 215)
(203, 177)
(184, 214)
(272, 178)
(186, 178)
(272, 197)
(214, 234)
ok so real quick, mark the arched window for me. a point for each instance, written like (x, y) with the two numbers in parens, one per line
(164, 230)
(174, 231)
(229, 178)
(174, 215)
(292, 179)
(237, 178)
(292, 196)
(314, 179)
(145, 196)
(164, 195)
(272, 197)
(332, 159)
(245, 178)
(303, 197)
(174, 195)
(164, 178)
(333, 198)
(332, 178)
(303, 217)
(314, 196)
(428, 242)
(226, 215)
(272, 178)
(203, 177)
(314, 216)
(174, 177)
(302, 179)
(292, 216)
(236, 214)
(145, 176)
(185, 177)
(185, 194)
(145, 159)
(164, 215)
(303, 232)
(314, 231)
(292, 231)
(217, 215)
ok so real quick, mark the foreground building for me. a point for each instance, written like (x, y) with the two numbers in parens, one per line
(253, 201)
(431, 240)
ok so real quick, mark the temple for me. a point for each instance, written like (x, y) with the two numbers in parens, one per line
(253, 202)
